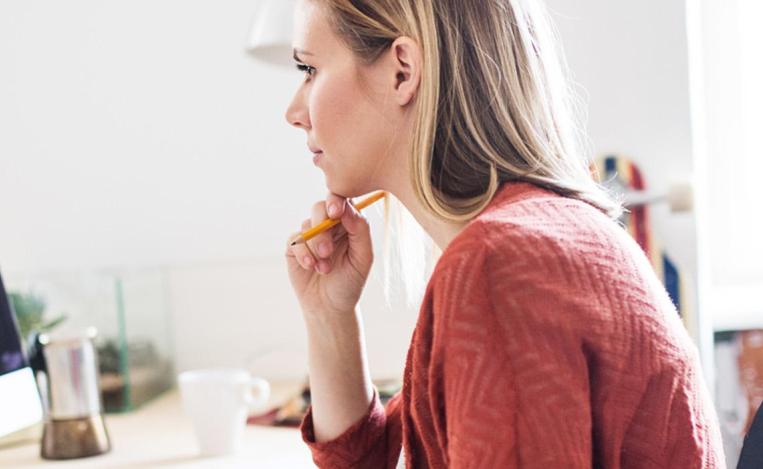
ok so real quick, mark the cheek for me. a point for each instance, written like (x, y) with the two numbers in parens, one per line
(333, 115)
(347, 128)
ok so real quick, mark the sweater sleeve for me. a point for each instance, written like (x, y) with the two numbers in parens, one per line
(374, 441)
(514, 390)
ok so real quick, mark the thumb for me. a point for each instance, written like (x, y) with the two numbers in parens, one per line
(358, 231)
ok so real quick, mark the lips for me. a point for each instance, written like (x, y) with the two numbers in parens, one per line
(317, 152)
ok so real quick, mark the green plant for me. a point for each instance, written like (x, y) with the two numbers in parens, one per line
(30, 312)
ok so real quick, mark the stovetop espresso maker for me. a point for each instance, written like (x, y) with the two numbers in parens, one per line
(68, 380)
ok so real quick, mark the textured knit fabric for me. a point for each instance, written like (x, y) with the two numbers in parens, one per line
(544, 340)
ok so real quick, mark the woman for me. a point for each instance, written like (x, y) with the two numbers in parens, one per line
(544, 338)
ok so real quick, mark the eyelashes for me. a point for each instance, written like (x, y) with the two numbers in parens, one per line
(308, 70)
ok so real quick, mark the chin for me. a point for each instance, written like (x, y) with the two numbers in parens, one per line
(348, 188)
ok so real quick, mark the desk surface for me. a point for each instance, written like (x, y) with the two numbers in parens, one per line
(159, 435)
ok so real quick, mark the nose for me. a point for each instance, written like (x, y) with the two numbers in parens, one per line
(297, 113)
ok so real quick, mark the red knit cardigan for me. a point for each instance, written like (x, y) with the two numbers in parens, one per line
(544, 340)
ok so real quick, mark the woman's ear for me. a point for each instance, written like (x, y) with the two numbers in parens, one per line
(406, 60)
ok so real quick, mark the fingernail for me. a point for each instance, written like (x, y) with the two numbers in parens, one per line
(323, 249)
(333, 210)
(308, 261)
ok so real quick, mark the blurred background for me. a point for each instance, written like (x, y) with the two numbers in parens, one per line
(148, 179)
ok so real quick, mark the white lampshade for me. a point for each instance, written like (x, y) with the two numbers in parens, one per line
(270, 36)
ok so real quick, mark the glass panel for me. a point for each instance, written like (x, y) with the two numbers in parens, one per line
(129, 308)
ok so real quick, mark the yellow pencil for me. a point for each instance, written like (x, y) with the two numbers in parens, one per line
(328, 223)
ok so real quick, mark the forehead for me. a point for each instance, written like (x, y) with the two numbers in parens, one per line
(311, 28)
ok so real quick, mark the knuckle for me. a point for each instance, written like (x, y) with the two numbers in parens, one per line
(319, 206)
(289, 240)
(335, 199)
(323, 247)
(300, 251)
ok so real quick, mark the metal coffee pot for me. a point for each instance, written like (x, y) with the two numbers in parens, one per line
(74, 425)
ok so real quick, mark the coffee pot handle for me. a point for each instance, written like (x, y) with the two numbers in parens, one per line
(41, 377)
(39, 369)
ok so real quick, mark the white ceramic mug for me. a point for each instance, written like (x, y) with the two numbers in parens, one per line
(218, 401)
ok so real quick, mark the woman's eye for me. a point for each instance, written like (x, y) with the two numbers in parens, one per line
(306, 69)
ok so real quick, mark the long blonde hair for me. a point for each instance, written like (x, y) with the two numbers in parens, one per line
(495, 103)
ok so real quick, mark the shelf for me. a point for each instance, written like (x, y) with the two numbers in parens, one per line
(736, 308)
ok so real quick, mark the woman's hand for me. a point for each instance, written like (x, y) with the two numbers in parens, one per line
(328, 272)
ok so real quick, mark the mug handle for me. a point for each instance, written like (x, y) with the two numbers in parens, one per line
(258, 392)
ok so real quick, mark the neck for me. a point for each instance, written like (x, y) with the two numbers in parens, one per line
(398, 183)
(441, 231)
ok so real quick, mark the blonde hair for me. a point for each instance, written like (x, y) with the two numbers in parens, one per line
(494, 102)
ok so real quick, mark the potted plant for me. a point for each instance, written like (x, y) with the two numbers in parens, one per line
(30, 314)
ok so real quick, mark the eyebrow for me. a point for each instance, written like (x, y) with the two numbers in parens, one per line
(300, 52)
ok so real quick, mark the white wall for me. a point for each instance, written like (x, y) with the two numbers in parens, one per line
(631, 57)
(243, 313)
(139, 133)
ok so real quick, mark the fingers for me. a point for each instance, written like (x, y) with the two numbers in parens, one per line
(358, 235)
(335, 205)
(301, 252)
(354, 223)
(322, 245)
(316, 254)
